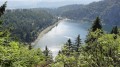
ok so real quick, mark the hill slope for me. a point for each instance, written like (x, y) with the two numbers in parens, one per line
(27, 23)
(107, 10)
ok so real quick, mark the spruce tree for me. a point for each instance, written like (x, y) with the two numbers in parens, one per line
(78, 43)
(69, 43)
(2, 9)
(46, 51)
(48, 55)
(115, 30)
(96, 25)
(4, 33)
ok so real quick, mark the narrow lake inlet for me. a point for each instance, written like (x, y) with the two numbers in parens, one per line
(58, 36)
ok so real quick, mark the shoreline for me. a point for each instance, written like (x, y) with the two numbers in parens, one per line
(46, 30)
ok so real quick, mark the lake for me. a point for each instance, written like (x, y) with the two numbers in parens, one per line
(59, 35)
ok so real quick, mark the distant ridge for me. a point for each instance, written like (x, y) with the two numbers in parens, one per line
(108, 10)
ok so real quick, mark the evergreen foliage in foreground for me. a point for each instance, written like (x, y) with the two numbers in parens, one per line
(2, 9)
(95, 26)
(15, 54)
(101, 50)
(115, 30)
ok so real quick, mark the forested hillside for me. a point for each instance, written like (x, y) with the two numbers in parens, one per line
(59, 11)
(99, 50)
(26, 24)
(15, 54)
(106, 9)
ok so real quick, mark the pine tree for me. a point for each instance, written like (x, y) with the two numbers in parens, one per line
(4, 33)
(78, 43)
(46, 51)
(96, 25)
(115, 30)
(69, 43)
(48, 55)
(2, 9)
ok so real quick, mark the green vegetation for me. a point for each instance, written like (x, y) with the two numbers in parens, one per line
(26, 24)
(105, 9)
(16, 54)
(115, 30)
(99, 50)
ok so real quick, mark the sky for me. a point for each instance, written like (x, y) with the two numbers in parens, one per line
(12, 4)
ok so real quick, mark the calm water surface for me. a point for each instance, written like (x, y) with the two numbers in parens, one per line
(59, 35)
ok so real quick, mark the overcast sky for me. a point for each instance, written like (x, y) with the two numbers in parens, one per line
(43, 3)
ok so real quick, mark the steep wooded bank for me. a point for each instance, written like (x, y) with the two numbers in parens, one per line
(105, 9)
(26, 24)
(15, 54)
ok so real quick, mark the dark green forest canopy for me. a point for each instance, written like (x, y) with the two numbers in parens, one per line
(15, 54)
(2, 9)
(26, 24)
(105, 9)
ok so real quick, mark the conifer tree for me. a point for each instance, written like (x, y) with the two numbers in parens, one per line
(78, 43)
(69, 43)
(48, 56)
(46, 51)
(96, 25)
(4, 33)
(2, 9)
(115, 30)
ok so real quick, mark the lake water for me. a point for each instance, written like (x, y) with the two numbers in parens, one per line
(59, 35)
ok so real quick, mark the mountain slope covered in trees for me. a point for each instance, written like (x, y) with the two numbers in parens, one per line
(15, 54)
(26, 24)
(105, 9)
